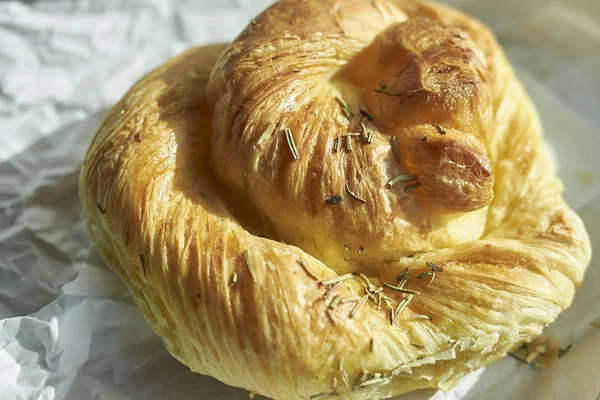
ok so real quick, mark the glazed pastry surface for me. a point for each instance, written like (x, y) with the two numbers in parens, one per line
(234, 188)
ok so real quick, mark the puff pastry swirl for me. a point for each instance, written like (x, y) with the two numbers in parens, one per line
(350, 200)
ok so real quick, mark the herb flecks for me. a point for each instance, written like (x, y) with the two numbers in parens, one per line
(396, 148)
(354, 195)
(425, 275)
(372, 346)
(249, 265)
(441, 129)
(336, 279)
(358, 306)
(562, 352)
(403, 274)
(100, 208)
(424, 138)
(412, 187)
(386, 92)
(366, 114)
(348, 142)
(401, 178)
(434, 267)
(336, 144)
(234, 278)
(421, 316)
(399, 289)
(334, 200)
(290, 141)
(345, 108)
(202, 194)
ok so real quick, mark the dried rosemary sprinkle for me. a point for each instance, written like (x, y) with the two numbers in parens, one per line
(357, 197)
(334, 384)
(561, 352)
(392, 316)
(424, 138)
(100, 208)
(358, 380)
(334, 302)
(364, 130)
(263, 135)
(395, 148)
(371, 136)
(425, 275)
(412, 187)
(336, 279)
(348, 143)
(403, 274)
(372, 346)
(331, 290)
(387, 92)
(351, 299)
(404, 304)
(345, 108)
(365, 114)
(401, 178)
(246, 183)
(418, 346)
(381, 84)
(399, 289)
(334, 200)
(290, 141)
(434, 267)
(249, 265)
(441, 129)
(323, 395)
(233, 279)
(336, 144)
(358, 306)
(126, 228)
(373, 381)
(307, 269)
(253, 21)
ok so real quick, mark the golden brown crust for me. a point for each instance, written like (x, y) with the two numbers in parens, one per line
(193, 196)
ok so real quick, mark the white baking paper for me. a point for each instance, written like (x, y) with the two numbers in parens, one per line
(68, 327)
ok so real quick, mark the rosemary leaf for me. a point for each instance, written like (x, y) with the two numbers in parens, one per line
(401, 178)
(398, 289)
(561, 352)
(358, 306)
(348, 143)
(395, 148)
(387, 92)
(336, 145)
(366, 114)
(403, 274)
(434, 267)
(354, 195)
(334, 200)
(345, 108)
(351, 299)
(372, 346)
(441, 129)
(425, 275)
(100, 208)
(334, 302)
(412, 187)
(420, 316)
(336, 279)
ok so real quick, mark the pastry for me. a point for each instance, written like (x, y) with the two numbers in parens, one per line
(352, 200)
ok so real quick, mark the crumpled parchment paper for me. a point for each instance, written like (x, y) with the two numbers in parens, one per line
(68, 327)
